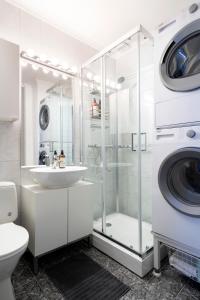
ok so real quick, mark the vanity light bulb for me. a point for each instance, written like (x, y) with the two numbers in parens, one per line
(35, 67)
(107, 91)
(65, 66)
(74, 69)
(89, 75)
(54, 62)
(107, 82)
(97, 78)
(85, 84)
(112, 84)
(64, 77)
(30, 53)
(24, 63)
(55, 74)
(43, 58)
(46, 71)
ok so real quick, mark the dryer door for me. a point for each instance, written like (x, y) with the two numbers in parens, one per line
(179, 180)
(180, 64)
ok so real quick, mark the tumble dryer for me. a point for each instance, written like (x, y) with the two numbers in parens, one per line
(176, 193)
(49, 119)
(177, 70)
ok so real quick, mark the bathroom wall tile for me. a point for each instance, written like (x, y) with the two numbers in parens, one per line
(10, 171)
(10, 141)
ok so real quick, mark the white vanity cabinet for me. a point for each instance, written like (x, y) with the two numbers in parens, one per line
(9, 81)
(56, 217)
(80, 211)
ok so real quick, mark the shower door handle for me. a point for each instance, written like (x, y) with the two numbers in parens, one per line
(133, 147)
(145, 141)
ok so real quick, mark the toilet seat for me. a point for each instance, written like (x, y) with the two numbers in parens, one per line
(13, 238)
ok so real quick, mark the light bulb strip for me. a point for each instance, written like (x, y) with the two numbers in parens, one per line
(34, 60)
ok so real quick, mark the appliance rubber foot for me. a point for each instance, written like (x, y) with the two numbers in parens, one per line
(156, 273)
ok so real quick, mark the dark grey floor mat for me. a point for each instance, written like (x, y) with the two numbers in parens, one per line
(80, 278)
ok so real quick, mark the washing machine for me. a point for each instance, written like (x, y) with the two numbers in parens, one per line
(177, 70)
(49, 120)
(176, 188)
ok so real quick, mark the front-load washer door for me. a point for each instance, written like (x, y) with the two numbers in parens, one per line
(180, 63)
(179, 180)
(44, 117)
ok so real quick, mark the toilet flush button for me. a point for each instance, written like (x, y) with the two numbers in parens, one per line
(191, 133)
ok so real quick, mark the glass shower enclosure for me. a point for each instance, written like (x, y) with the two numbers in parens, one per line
(117, 126)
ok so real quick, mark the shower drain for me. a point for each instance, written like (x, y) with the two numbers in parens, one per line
(108, 224)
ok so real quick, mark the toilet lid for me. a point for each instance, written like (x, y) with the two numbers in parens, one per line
(12, 238)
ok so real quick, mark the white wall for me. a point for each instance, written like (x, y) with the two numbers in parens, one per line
(21, 28)
(28, 32)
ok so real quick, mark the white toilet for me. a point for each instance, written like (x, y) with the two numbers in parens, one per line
(13, 238)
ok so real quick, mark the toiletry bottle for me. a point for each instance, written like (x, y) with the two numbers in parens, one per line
(55, 160)
(62, 159)
(95, 109)
(47, 160)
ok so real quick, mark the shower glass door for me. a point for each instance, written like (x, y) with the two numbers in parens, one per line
(117, 107)
(121, 130)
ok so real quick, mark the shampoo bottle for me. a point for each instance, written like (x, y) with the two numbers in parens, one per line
(62, 159)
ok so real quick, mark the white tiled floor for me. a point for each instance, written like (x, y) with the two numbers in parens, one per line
(125, 230)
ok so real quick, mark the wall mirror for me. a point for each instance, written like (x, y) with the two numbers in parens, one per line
(47, 106)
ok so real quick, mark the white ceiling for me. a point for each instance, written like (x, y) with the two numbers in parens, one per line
(100, 22)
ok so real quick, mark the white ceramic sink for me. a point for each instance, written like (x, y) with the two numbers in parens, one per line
(58, 178)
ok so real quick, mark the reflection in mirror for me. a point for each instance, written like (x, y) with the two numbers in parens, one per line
(47, 116)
